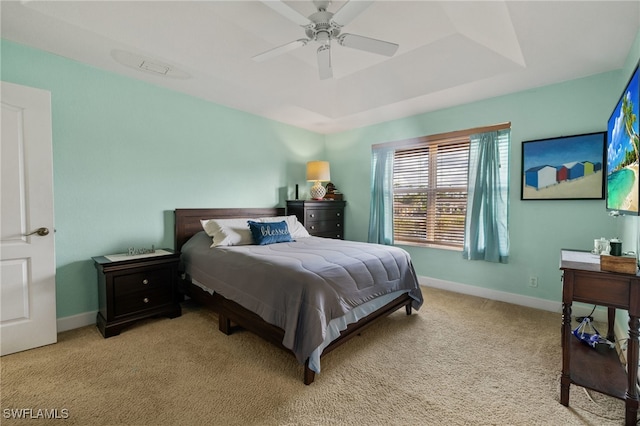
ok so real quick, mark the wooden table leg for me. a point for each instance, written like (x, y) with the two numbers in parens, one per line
(611, 320)
(565, 379)
(631, 396)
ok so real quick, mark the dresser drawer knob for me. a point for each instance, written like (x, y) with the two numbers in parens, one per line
(312, 215)
(337, 225)
(312, 227)
(338, 214)
(145, 281)
(145, 300)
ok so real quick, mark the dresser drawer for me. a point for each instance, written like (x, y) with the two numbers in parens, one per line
(139, 301)
(142, 281)
(321, 215)
(325, 228)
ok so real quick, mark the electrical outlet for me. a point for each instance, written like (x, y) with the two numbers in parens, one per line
(533, 281)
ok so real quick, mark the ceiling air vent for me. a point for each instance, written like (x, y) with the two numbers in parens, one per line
(147, 65)
(156, 68)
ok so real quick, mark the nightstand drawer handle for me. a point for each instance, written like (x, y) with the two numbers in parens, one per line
(145, 281)
(312, 215)
(312, 227)
(145, 300)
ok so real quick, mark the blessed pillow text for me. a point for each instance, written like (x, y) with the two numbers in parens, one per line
(266, 231)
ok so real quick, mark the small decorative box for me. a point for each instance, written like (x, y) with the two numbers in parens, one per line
(621, 264)
(335, 196)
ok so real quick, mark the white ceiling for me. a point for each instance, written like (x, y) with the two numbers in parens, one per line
(451, 52)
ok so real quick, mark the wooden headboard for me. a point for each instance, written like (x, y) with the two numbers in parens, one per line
(188, 220)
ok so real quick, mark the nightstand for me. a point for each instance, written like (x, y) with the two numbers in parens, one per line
(136, 288)
(322, 218)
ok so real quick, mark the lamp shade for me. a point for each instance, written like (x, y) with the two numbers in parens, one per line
(318, 171)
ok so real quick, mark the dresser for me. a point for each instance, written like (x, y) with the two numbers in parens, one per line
(136, 288)
(322, 218)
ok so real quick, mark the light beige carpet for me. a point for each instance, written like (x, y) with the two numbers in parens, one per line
(460, 360)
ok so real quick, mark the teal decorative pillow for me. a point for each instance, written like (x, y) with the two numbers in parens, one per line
(264, 233)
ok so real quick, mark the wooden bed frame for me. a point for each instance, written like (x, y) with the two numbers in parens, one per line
(187, 223)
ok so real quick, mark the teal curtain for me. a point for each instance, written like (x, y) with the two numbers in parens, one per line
(381, 211)
(486, 227)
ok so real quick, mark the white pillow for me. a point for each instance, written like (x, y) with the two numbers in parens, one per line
(228, 232)
(236, 232)
(296, 229)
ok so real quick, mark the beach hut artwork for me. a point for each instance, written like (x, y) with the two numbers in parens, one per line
(563, 168)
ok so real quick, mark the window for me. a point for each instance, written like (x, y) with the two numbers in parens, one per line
(420, 190)
(430, 193)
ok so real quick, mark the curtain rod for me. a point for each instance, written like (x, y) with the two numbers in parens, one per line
(442, 136)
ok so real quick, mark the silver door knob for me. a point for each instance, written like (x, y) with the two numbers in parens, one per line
(40, 231)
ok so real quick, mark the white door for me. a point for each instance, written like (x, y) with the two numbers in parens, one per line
(27, 268)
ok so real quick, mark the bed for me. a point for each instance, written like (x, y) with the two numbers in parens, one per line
(307, 295)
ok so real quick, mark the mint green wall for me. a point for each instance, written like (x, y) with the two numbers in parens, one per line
(538, 229)
(127, 153)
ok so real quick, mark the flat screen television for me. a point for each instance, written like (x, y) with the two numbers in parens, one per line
(623, 151)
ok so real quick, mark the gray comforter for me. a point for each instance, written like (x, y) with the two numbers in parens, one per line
(301, 286)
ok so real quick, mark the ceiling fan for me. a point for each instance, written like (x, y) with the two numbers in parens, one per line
(324, 26)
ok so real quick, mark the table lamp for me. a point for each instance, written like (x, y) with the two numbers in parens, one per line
(318, 171)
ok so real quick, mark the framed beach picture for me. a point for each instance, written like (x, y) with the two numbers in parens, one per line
(564, 168)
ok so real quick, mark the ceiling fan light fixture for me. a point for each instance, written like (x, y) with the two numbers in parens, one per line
(322, 26)
(323, 37)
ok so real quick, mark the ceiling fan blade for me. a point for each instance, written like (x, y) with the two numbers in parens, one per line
(277, 51)
(349, 11)
(324, 62)
(369, 44)
(283, 9)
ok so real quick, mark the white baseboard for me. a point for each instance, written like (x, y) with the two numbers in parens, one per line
(600, 314)
(76, 321)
